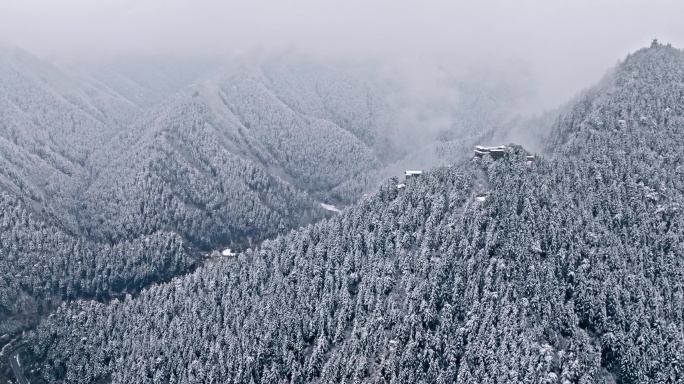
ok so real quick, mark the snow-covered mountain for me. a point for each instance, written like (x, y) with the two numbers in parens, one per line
(117, 176)
(565, 269)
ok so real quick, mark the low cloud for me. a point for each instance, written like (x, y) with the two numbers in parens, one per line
(565, 46)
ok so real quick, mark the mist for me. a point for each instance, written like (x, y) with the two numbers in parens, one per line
(563, 46)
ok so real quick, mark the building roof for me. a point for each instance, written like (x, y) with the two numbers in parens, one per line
(487, 149)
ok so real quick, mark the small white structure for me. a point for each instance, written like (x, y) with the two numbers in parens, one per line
(401, 186)
(227, 252)
(330, 207)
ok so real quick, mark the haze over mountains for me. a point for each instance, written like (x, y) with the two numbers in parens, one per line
(118, 175)
(117, 178)
(213, 191)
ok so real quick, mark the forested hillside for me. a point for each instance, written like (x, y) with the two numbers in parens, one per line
(54, 123)
(50, 126)
(225, 162)
(567, 269)
(42, 265)
(253, 150)
(144, 81)
(118, 175)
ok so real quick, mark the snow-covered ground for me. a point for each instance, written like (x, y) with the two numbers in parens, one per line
(330, 208)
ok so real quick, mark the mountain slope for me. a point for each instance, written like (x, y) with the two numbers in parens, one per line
(103, 159)
(224, 162)
(145, 82)
(42, 265)
(563, 270)
(184, 176)
(50, 125)
(45, 107)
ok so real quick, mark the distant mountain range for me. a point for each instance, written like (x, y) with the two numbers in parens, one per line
(118, 175)
(565, 269)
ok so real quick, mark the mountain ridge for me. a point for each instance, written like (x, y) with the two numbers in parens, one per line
(564, 269)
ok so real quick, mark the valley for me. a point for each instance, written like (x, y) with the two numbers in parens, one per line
(282, 219)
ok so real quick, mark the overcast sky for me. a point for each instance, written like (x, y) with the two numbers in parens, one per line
(567, 45)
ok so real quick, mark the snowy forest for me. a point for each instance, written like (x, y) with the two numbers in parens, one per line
(559, 261)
